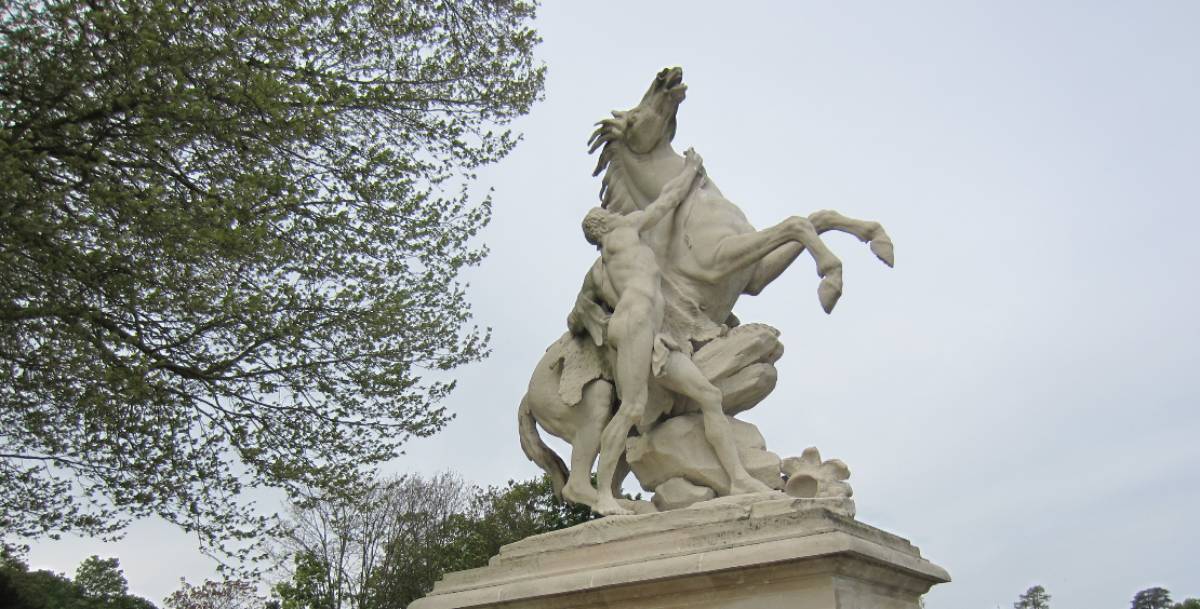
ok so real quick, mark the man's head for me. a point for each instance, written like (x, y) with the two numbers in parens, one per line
(596, 224)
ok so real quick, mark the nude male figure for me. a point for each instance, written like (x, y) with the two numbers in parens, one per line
(634, 332)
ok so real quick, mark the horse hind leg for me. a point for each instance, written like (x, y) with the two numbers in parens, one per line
(865, 231)
(537, 451)
(593, 413)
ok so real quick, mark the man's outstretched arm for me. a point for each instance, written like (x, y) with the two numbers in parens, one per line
(673, 192)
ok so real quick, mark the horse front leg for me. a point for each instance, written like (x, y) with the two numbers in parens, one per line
(772, 266)
(866, 231)
(775, 263)
(780, 244)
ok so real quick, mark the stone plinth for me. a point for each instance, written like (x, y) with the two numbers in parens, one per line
(746, 552)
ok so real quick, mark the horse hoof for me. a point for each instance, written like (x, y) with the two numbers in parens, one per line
(882, 248)
(830, 291)
(579, 497)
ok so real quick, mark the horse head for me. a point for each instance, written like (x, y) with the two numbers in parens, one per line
(641, 129)
(649, 124)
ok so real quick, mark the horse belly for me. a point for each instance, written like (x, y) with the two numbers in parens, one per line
(716, 298)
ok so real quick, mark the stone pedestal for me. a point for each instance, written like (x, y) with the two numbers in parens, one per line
(747, 552)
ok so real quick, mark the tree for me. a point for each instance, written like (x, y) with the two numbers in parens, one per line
(343, 551)
(101, 578)
(229, 594)
(1191, 603)
(230, 233)
(503, 515)
(469, 538)
(1152, 598)
(311, 585)
(1034, 598)
(99, 584)
(388, 548)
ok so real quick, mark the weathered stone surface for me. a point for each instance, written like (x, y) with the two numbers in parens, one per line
(679, 493)
(842, 506)
(741, 364)
(762, 550)
(747, 387)
(638, 506)
(678, 448)
(743, 345)
(809, 476)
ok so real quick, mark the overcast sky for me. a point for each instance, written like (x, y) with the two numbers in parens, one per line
(1018, 397)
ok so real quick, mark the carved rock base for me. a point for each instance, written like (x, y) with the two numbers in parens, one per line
(757, 551)
(678, 448)
(678, 493)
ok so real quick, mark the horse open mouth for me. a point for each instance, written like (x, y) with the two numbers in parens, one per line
(674, 85)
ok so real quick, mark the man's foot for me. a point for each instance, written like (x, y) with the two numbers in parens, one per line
(607, 506)
(748, 485)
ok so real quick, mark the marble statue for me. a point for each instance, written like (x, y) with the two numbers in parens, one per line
(652, 343)
(650, 377)
(640, 348)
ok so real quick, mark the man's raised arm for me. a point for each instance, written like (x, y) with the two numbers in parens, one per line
(673, 192)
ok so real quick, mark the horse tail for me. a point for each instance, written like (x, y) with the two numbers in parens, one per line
(537, 451)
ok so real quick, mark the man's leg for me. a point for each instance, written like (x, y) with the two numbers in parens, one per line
(592, 413)
(633, 343)
(682, 376)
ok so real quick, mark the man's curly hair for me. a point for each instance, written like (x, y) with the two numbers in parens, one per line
(596, 224)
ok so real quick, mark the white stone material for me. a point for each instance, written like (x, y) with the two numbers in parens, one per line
(808, 476)
(676, 448)
(670, 344)
(678, 493)
(757, 551)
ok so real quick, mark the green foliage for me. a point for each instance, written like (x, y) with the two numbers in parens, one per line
(358, 552)
(1191, 603)
(503, 515)
(101, 578)
(1034, 598)
(229, 594)
(1152, 598)
(415, 531)
(230, 233)
(99, 584)
(306, 589)
(465, 540)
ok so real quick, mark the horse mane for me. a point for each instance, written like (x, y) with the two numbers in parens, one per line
(616, 193)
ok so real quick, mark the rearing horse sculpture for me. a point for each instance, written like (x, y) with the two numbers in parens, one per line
(711, 250)
(709, 255)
